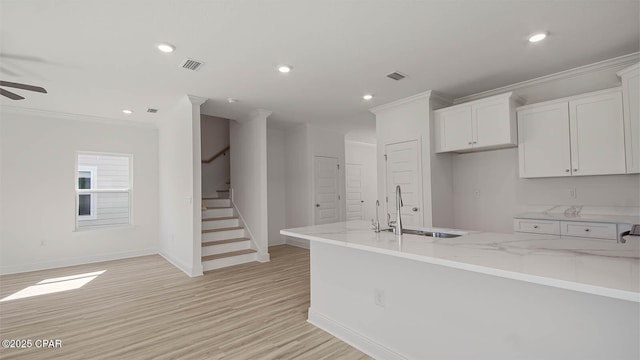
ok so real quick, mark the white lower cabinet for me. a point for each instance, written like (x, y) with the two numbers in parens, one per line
(580, 135)
(573, 229)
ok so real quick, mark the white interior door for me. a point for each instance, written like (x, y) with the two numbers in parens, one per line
(403, 168)
(355, 199)
(326, 190)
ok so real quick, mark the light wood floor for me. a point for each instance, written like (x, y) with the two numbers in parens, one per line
(144, 308)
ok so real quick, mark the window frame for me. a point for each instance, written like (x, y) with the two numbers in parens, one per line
(93, 170)
(93, 192)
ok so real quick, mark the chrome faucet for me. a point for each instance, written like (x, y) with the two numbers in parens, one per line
(397, 224)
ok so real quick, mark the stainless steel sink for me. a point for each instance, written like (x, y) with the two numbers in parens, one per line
(425, 233)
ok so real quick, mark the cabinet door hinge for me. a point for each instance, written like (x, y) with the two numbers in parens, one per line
(338, 166)
(338, 197)
(385, 157)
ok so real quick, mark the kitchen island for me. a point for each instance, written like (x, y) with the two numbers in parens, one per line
(476, 296)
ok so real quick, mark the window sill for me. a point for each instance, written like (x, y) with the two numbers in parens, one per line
(103, 228)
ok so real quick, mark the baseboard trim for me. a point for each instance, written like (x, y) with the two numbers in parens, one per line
(179, 264)
(353, 338)
(83, 260)
(301, 243)
(263, 257)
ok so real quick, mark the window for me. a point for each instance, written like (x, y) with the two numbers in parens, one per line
(103, 190)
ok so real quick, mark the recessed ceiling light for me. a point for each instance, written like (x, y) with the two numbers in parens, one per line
(166, 48)
(367, 97)
(232, 100)
(537, 37)
(284, 68)
(127, 111)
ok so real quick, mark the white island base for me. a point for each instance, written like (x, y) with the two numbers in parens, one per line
(392, 307)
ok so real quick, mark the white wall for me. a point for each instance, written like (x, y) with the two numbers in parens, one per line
(302, 143)
(410, 119)
(180, 192)
(297, 180)
(364, 154)
(503, 193)
(276, 184)
(215, 137)
(249, 177)
(37, 206)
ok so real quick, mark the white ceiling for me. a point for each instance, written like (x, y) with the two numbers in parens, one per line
(99, 57)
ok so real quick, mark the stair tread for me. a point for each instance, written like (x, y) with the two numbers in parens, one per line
(226, 241)
(214, 198)
(228, 254)
(223, 229)
(221, 218)
(223, 190)
(218, 207)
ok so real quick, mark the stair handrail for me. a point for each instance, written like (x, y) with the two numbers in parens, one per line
(217, 155)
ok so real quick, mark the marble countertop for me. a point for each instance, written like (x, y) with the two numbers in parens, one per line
(601, 267)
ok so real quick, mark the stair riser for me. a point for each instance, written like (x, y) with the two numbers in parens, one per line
(211, 213)
(224, 248)
(223, 235)
(228, 261)
(218, 224)
(217, 202)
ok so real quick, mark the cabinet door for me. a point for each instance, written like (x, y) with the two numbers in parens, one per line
(543, 136)
(492, 124)
(597, 135)
(631, 100)
(455, 128)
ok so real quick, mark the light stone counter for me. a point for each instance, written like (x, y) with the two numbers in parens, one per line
(600, 267)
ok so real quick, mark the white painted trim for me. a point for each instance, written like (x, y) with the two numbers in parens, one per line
(618, 62)
(570, 98)
(6, 270)
(351, 337)
(179, 264)
(361, 143)
(301, 243)
(262, 255)
(76, 117)
(629, 69)
(423, 95)
(197, 100)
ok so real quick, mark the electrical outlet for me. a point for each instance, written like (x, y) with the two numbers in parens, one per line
(476, 193)
(378, 297)
(572, 193)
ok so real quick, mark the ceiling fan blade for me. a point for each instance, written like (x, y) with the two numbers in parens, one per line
(10, 95)
(23, 86)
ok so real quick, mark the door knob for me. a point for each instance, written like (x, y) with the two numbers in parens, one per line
(414, 209)
(566, 170)
(362, 201)
(317, 205)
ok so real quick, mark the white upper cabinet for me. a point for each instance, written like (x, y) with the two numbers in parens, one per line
(544, 149)
(478, 125)
(580, 135)
(631, 99)
(597, 135)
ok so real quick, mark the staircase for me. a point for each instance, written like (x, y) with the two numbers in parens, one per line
(225, 241)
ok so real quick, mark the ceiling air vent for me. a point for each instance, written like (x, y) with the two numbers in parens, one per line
(191, 64)
(151, 110)
(396, 75)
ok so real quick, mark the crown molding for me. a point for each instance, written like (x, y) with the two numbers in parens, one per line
(629, 69)
(197, 100)
(615, 63)
(429, 94)
(75, 117)
(260, 113)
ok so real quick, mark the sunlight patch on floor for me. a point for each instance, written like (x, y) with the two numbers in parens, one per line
(54, 285)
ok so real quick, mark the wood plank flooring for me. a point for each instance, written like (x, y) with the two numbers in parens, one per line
(144, 308)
